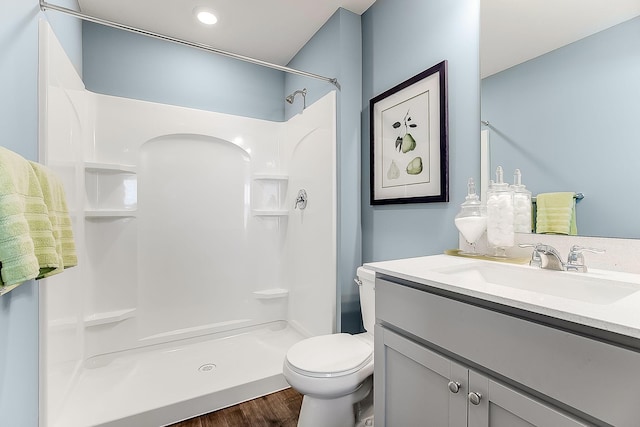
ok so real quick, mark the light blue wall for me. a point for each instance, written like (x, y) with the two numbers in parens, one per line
(569, 121)
(124, 64)
(401, 38)
(336, 51)
(19, 124)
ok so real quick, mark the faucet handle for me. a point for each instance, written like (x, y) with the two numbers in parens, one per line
(528, 245)
(575, 260)
(538, 247)
(536, 259)
(579, 249)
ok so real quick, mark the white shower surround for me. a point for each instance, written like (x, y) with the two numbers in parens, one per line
(188, 243)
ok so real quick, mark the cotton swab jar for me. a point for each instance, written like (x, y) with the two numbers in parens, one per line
(521, 205)
(500, 214)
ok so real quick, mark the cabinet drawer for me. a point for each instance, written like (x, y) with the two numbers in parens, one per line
(595, 378)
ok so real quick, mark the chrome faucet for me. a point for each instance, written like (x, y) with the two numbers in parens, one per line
(547, 257)
(553, 260)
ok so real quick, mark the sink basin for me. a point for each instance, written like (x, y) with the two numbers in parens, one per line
(586, 287)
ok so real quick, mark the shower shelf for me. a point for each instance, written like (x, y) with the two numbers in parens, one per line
(110, 213)
(109, 317)
(271, 293)
(111, 190)
(270, 212)
(268, 194)
(109, 167)
(270, 177)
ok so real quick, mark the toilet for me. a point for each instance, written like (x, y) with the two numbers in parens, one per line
(335, 372)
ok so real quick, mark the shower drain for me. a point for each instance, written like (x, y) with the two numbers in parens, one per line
(206, 367)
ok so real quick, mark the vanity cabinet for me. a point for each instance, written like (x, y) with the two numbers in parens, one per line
(445, 362)
(423, 388)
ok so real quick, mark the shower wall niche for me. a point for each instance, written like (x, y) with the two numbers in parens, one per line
(186, 229)
(110, 212)
(269, 193)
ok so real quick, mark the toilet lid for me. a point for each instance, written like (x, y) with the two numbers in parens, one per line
(329, 355)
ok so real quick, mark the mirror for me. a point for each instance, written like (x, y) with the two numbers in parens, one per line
(564, 108)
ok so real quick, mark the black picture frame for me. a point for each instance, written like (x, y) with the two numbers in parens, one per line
(409, 130)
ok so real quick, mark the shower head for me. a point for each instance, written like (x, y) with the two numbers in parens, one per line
(303, 92)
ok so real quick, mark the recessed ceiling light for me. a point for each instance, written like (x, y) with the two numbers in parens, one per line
(205, 15)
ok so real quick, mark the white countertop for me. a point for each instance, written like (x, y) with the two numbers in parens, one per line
(620, 316)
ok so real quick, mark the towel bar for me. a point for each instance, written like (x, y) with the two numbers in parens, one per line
(577, 196)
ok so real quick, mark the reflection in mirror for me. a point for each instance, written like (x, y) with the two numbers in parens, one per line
(568, 118)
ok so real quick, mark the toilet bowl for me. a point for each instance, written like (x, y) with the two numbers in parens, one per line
(335, 372)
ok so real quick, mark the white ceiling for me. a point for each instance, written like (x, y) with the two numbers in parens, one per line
(512, 31)
(269, 30)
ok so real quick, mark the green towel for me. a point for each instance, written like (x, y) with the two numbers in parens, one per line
(27, 246)
(556, 213)
(54, 198)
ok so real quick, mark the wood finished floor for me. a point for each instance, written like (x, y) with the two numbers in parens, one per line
(279, 409)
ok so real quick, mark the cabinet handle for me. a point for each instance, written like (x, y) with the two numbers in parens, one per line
(454, 386)
(474, 398)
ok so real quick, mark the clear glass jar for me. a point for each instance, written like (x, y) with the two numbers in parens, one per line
(521, 205)
(500, 233)
(471, 221)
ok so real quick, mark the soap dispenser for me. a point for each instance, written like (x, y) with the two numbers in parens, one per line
(471, 221)
(521, 205)
(500, 234)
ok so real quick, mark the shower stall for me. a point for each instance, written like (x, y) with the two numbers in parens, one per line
(198, 266)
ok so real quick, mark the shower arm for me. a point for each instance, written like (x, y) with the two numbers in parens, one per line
(303, 92)
(292, 97)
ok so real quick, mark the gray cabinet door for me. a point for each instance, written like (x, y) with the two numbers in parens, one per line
(412, 385)
(501, 406)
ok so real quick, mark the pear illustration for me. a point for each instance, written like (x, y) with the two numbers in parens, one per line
(394, 171)
(415, 166)
(408, 143)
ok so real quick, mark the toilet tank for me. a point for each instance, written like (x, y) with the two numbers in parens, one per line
(367, 278)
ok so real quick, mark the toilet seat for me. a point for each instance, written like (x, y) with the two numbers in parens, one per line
(329, 355)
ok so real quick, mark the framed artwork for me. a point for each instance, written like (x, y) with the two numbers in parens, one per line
(410, 140)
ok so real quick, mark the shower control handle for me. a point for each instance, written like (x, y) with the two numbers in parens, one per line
(301, 200)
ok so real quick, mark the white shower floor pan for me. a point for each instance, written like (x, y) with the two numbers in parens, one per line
(165, 384)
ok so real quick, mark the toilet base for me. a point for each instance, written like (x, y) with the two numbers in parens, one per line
(335, 412)
(364, 411)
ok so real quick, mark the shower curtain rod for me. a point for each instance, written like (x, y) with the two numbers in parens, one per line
(44, 6)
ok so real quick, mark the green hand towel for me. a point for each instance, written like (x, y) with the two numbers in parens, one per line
(27, 247)
(56, 202)
(556, 213)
